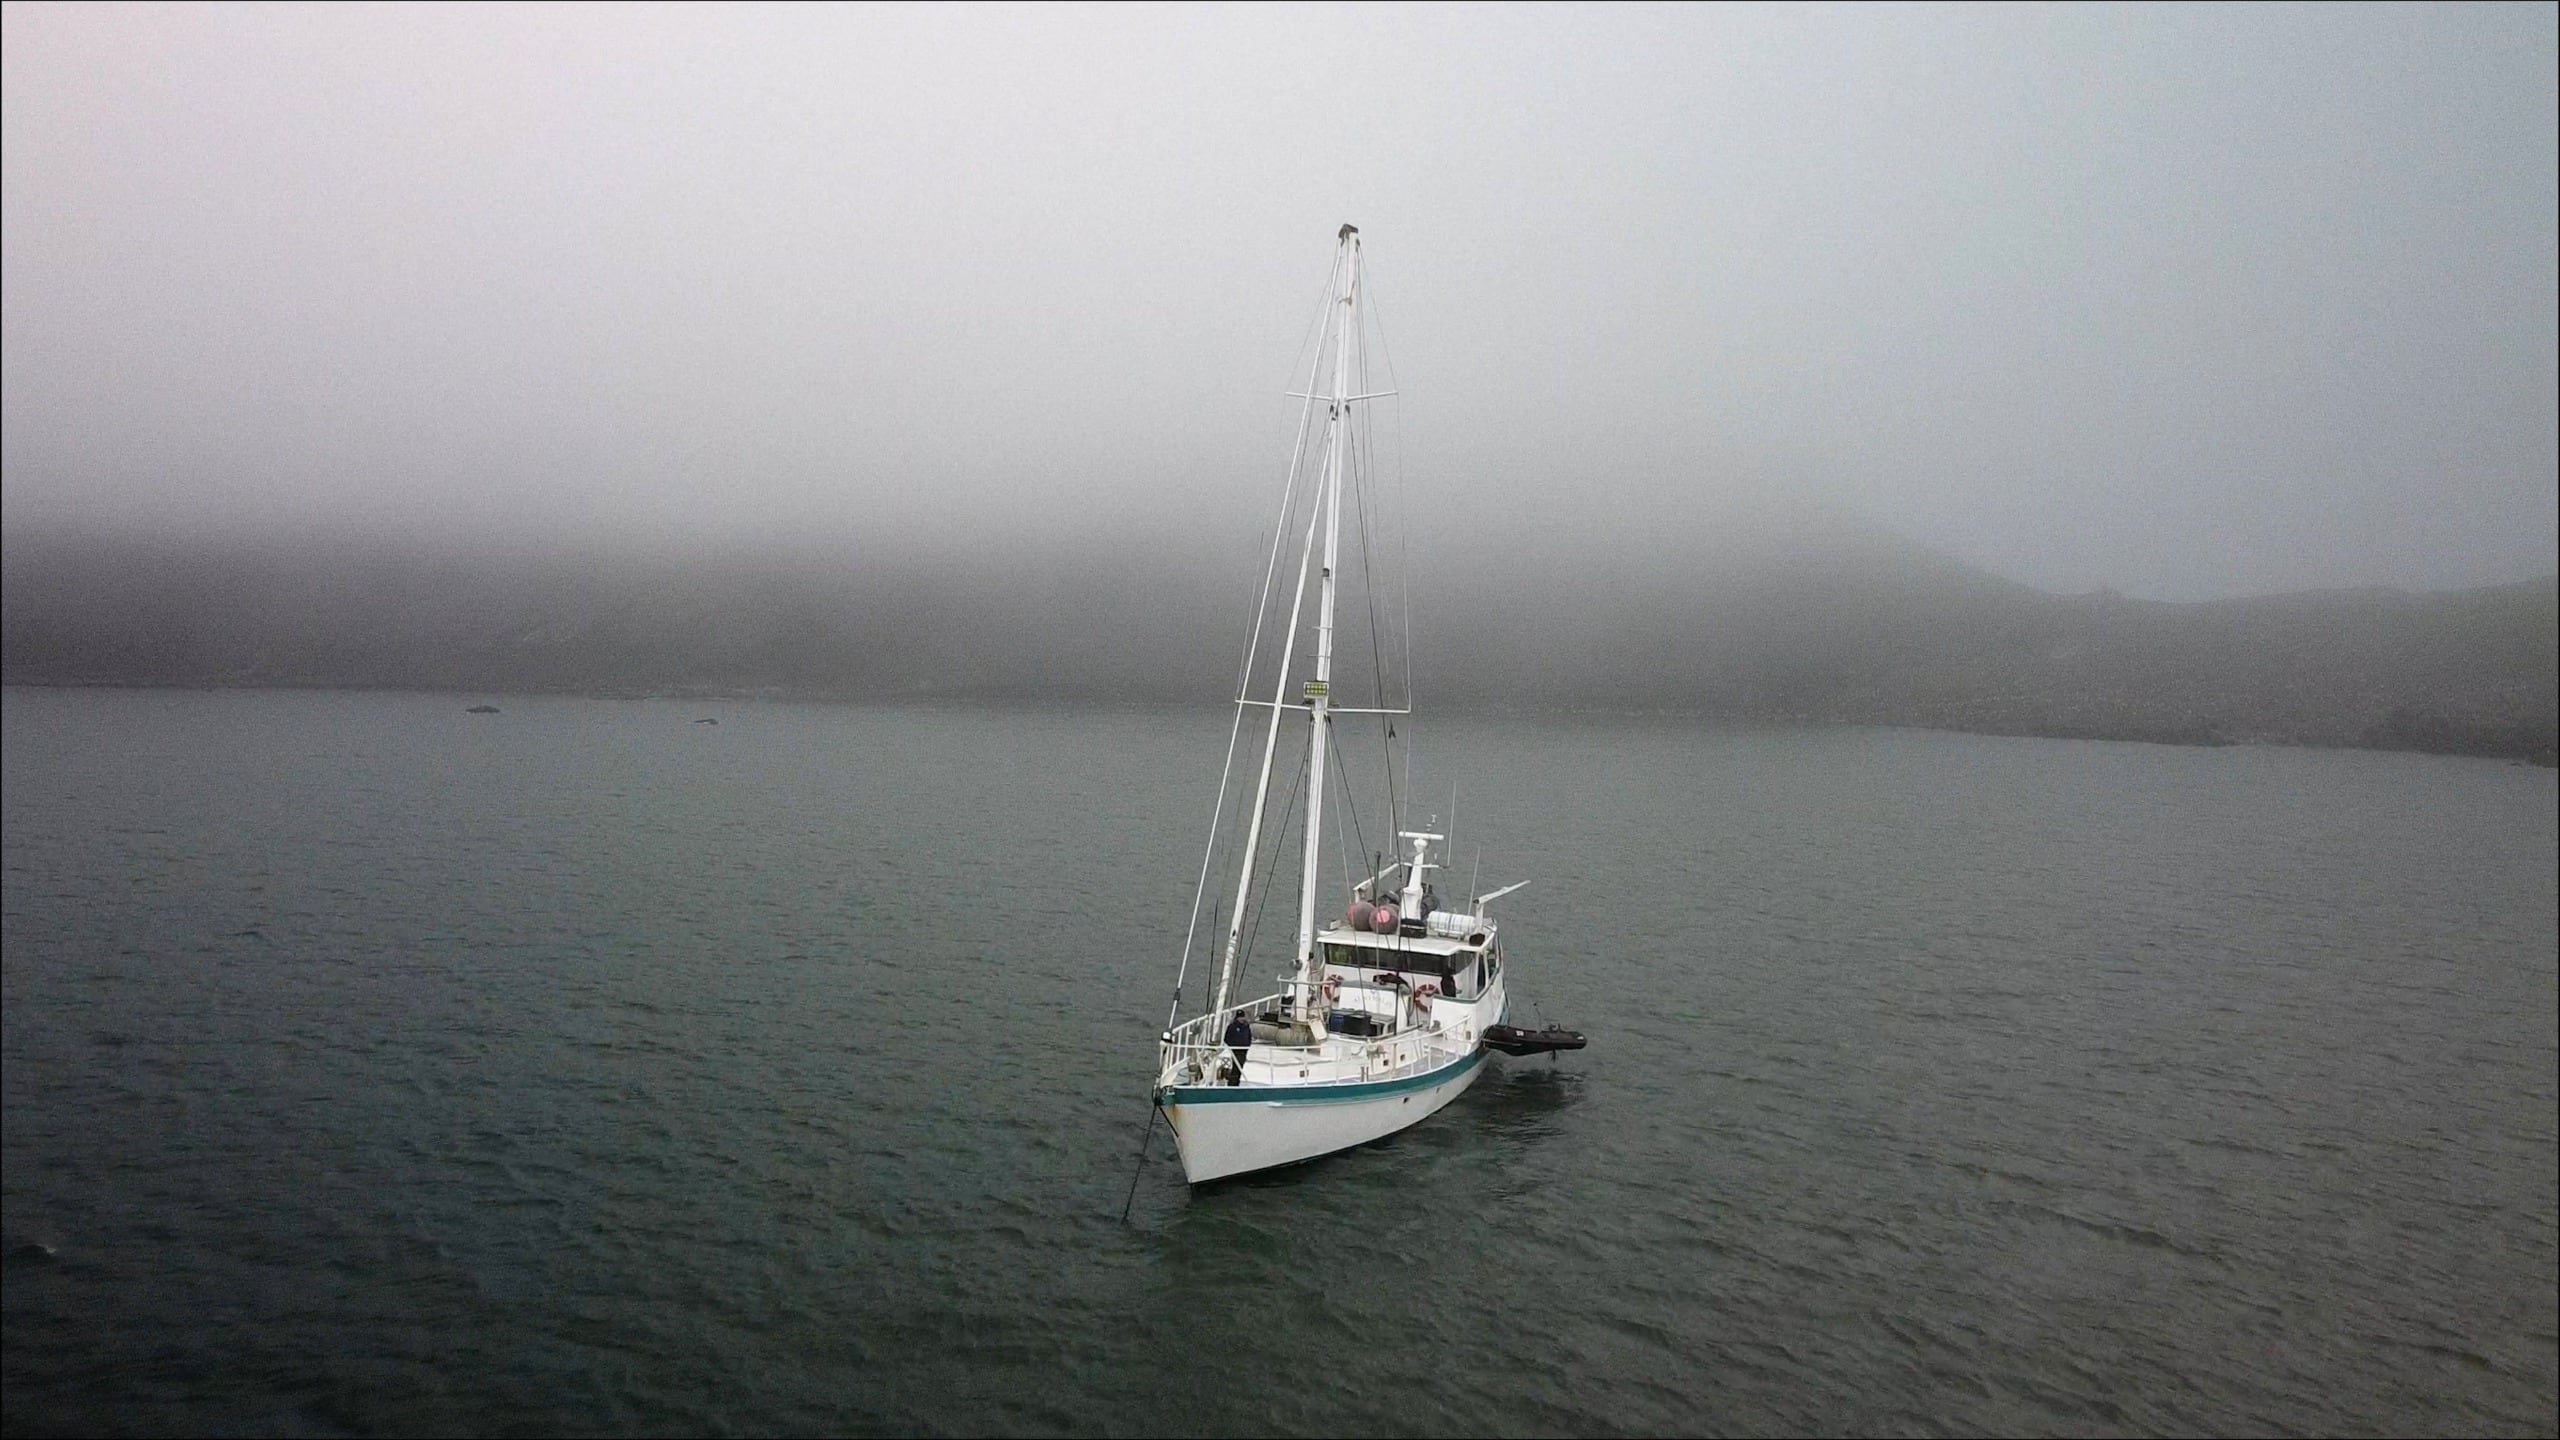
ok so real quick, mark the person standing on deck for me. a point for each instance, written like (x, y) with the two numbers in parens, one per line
(1239, 1039)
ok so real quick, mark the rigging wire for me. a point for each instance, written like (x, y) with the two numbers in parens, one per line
(1351, 807)
(1235, 733)
(1367, 468)
(1221, 839)
(1253, 634)
(1263, 905)
(1404, 565)
(1208, 971)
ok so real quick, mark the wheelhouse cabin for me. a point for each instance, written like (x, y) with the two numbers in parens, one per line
(1371, 980)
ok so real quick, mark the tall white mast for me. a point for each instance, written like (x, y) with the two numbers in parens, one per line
(1319, 691)
(1280, 691)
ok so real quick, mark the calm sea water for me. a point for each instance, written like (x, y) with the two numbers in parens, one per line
(374, 1067)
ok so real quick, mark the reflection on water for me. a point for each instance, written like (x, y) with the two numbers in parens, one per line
(1523, 1099)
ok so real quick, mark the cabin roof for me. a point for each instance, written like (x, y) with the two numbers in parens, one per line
(1399, 944)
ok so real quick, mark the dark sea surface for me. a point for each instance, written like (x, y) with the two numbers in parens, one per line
(372, 1067)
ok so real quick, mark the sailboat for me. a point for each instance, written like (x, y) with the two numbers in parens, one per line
(1384, 1015)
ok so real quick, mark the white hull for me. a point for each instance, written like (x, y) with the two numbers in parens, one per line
(1238, 1130)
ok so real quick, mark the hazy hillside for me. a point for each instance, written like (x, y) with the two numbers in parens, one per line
(1838, 625)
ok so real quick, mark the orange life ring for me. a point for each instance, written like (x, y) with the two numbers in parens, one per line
(1332, 988)
(1421, 996)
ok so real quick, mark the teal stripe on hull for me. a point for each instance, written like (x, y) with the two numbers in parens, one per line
(1312, 1094)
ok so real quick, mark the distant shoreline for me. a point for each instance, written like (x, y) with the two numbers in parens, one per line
(1842, 629)
(2454, 744)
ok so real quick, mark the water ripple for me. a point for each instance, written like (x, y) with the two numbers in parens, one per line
(595, 1073)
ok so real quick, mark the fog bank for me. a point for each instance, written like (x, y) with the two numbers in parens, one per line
(1846, 625)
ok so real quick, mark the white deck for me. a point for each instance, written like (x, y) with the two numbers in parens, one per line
(1417, 1039)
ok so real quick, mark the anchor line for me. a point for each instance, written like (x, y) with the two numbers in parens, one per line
(1143, 1137)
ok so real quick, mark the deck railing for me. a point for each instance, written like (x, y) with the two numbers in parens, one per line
(1194, 1050)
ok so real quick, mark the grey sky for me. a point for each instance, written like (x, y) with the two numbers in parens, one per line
(2183, 301)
